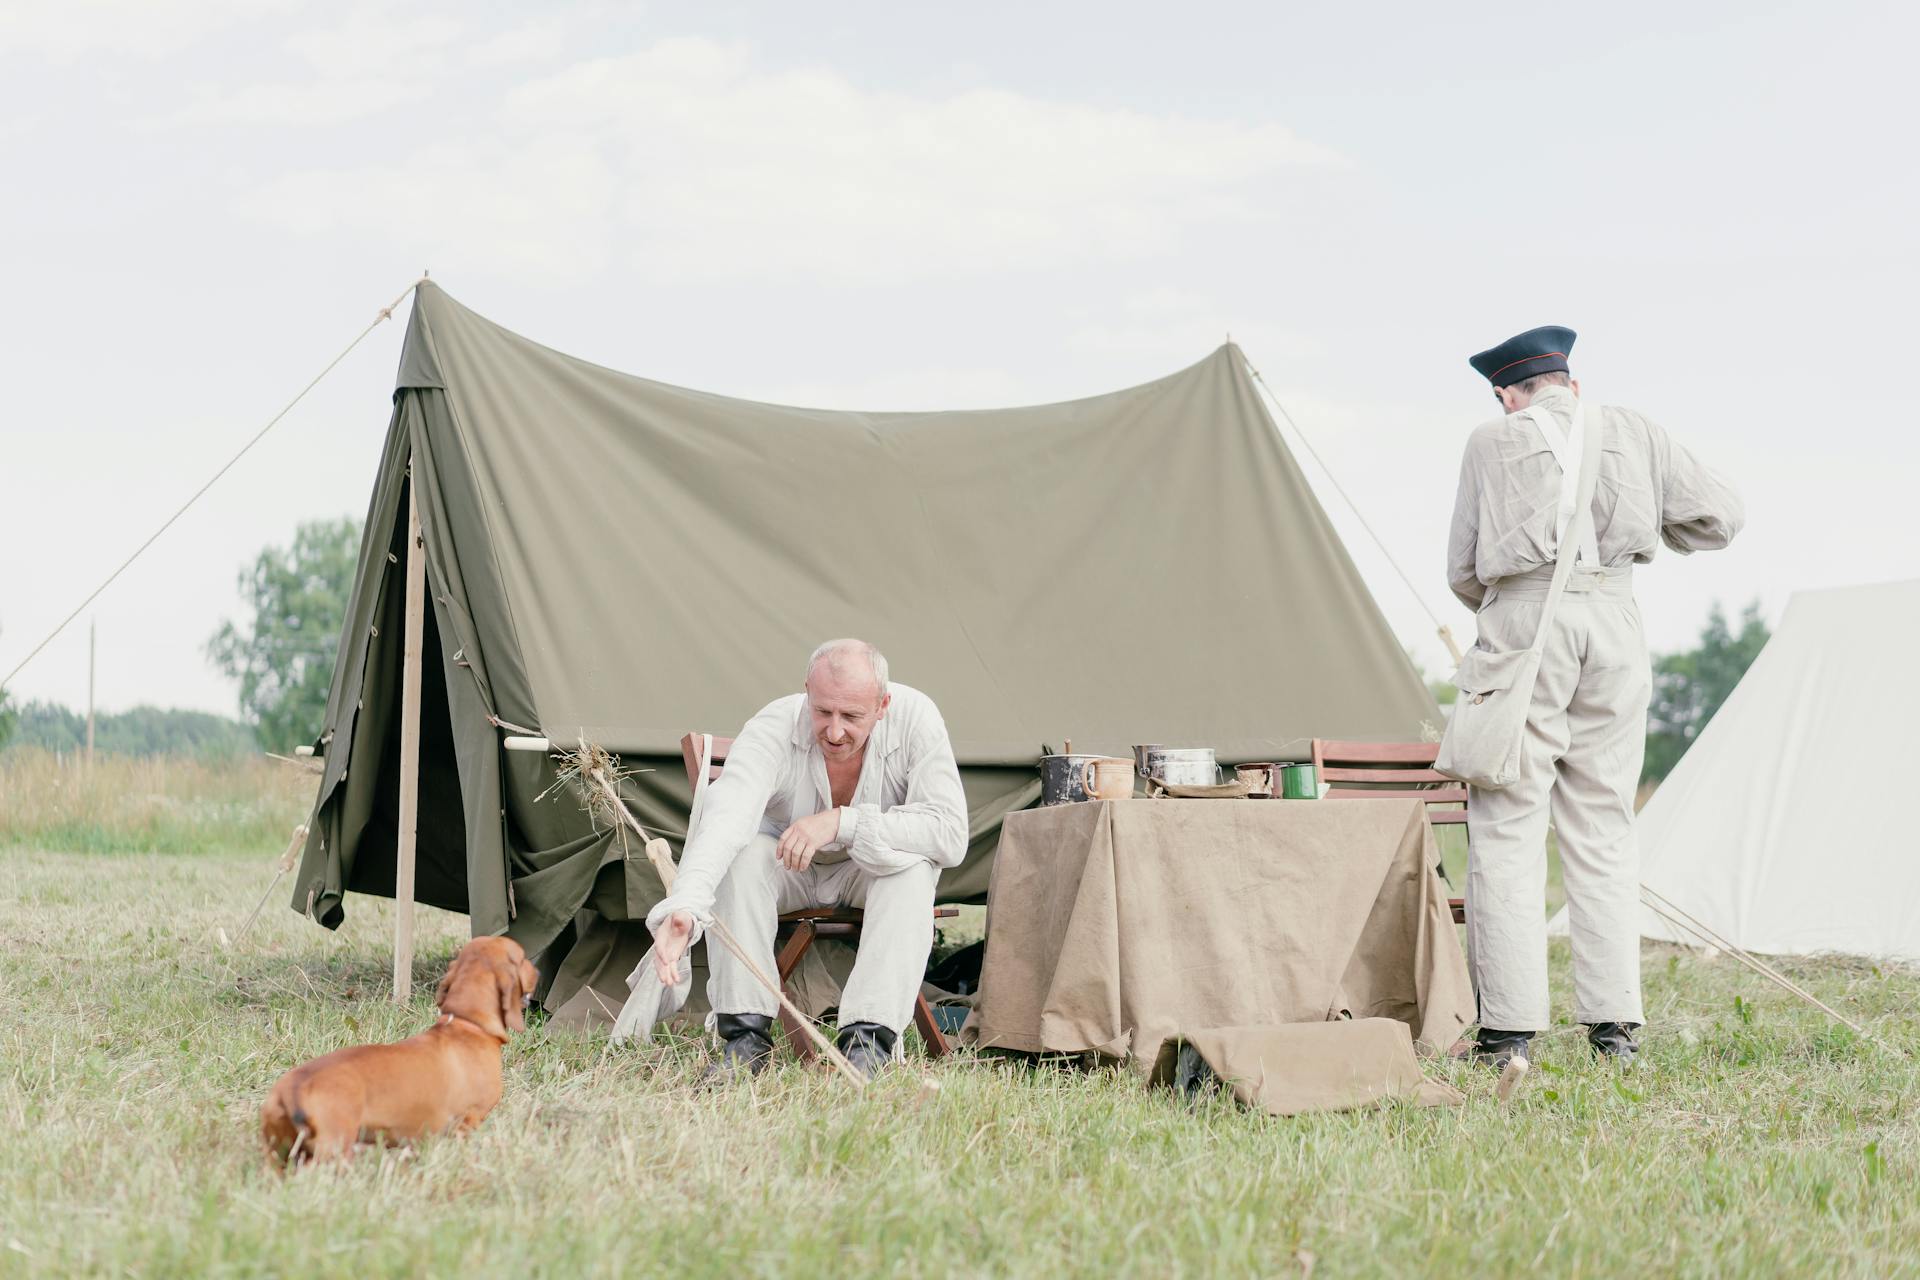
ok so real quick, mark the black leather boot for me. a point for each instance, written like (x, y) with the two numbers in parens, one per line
(1498, 1048)
(1614, 1041)
(746, 1046)
(868, 1046)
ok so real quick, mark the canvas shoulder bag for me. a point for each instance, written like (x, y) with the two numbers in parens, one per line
(1486, 734)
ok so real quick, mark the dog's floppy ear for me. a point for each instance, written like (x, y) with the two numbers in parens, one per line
(446, 981)
(464, 991)
(506, 977)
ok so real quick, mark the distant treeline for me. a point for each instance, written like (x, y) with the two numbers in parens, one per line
(142, 731)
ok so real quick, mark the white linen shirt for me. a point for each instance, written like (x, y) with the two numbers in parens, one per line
(1650, 490)
(908, 805)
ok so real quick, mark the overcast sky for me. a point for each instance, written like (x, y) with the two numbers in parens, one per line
(878, 206)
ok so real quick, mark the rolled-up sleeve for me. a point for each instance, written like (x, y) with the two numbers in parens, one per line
(930, 825)
(730, 815)
(1463, 539)
(1700, 510)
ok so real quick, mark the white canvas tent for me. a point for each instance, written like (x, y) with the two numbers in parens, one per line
(1785, 828)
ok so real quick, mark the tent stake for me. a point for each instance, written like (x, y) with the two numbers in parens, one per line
(409, 751)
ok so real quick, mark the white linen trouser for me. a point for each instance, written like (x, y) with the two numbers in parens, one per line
(894, 941)
(1586, 736)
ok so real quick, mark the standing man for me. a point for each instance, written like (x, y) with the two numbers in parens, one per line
(844, 794)
(1587, 721)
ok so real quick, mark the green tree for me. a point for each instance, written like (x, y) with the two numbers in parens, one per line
(1688, 687)
(8, 718)
(284, 661)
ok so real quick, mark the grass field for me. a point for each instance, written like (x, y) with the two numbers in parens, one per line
(1757, 1141)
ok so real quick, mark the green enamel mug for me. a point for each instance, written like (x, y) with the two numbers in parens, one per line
(1297, 782)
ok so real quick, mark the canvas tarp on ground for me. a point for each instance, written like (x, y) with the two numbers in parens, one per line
(623, 561)
(1784, 828)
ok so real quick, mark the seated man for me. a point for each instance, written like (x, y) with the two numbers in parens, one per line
(846, 794)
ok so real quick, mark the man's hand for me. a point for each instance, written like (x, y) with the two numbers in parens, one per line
(799, 842)
(676, 933)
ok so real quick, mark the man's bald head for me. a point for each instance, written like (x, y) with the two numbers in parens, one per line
(846, 697)
(845, 661)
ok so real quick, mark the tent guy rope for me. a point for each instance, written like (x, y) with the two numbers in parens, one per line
(1440, 628)
(385, 313)
(1673, 914)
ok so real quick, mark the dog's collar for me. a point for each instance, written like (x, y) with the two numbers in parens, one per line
(447, 1018)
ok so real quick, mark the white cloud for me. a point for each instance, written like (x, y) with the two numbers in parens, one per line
(369, 44)
(276, 105)
(551, 216)
(536, 41)
(688, 159)
(65, 30)
(361, 66)
(1166, 325)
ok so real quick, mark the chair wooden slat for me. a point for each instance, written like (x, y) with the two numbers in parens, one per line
(1454, 795)
(1338, 752)
(690, 755)
(1333, 773)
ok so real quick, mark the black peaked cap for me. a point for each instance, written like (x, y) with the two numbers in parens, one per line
(1542, 350)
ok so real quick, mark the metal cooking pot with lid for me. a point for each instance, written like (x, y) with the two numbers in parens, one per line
(1182, 766)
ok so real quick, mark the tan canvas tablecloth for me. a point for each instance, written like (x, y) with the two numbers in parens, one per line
(1113, 926)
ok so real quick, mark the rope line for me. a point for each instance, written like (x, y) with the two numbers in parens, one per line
(1342, 491)
(385, 313)
(1670, 911)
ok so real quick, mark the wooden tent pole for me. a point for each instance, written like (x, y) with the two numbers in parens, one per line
(409, 751)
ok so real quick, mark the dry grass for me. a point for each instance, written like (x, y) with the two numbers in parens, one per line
(149, 804)
(1758, 1141)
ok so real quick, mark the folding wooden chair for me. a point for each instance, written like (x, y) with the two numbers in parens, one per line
(798, 930)
(1394, 770)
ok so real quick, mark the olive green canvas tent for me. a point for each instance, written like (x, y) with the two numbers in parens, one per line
(621, 561)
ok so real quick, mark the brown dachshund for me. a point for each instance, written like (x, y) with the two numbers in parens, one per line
(444, 1080)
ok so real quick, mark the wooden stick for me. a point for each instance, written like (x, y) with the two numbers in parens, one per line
(1510, 1077)
(658, 854)
(90, 652)
(1672, 913)
(409, 749)
(285, 863)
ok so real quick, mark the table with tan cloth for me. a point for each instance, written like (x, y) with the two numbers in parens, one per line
(1116, 926)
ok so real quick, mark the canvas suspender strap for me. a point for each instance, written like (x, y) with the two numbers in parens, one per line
(1582, 527)
(1568, 448)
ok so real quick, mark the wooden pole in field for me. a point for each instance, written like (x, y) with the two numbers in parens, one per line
(90, 638)
(409, 751)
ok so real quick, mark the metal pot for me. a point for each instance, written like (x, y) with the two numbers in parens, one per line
(1183, 766)
(1063, 779)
